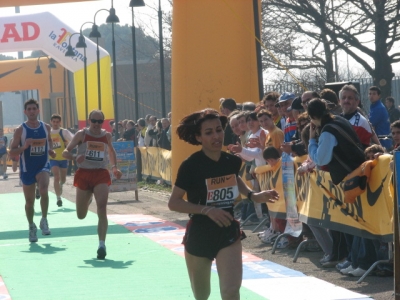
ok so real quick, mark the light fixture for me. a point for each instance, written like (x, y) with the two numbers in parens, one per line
(136, 3)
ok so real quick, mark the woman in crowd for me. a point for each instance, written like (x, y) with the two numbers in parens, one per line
(210, 180)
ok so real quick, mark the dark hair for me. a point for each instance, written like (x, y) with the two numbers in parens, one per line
(395, 124)
(55, 116)
(390, 99)
(252, 115)
(96, 111)
(111, 122)
(233, 113)
(159, 124)
(141, 122)
(271, 152)
(190, 126)
(229, 103)
(239, 106)
(248, 106)
(131, 122)
(317, 109)
(264, 112)
(376, 89)
(374, 149)
(270, 96)
(329, 95)
(31, 101)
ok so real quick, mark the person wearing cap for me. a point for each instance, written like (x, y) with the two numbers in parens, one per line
(296, 108)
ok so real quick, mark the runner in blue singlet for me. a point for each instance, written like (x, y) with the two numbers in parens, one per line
(32, 141)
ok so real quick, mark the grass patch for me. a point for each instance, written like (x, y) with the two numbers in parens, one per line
(152, 186)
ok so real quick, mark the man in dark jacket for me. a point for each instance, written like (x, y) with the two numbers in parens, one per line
(163, 141)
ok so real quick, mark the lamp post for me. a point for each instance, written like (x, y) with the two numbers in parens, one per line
(81, 44)
(112, 18)
(161, 42)
(51, 65)
(132, 4)
(96, 34)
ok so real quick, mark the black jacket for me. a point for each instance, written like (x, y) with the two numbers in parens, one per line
(349, 153)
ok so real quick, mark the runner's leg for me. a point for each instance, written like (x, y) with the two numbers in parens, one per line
(29, 193)
(82, 202)
(56, 175)
(101, 195)
(42, 180)
(230, 270)
(199, 269)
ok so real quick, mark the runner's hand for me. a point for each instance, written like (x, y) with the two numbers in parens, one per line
(117, 173)
(265, 196)
(52, 154)
(28, 142)
(220, 217)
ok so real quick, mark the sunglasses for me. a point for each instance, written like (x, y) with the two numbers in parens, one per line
(94, 121)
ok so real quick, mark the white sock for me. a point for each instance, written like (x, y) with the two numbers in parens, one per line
(102, 244)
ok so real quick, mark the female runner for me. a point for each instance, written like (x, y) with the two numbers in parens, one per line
(210, 180)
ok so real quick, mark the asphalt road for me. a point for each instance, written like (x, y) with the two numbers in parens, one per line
(155, 203)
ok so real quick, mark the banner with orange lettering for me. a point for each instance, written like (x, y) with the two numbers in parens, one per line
(370, 216)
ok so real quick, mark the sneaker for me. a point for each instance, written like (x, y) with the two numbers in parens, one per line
(331, 263)
(37, 194)
(283, 243)
(357, 272)
(269, 236)
(44, 226)
(343, 265)
(5, 176)
(325, 258)
(101, 253)
(347, 270)
(32, 233)
(59, 202)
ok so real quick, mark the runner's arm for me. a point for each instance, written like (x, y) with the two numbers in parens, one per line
(260, 197)
(15, 149)
(67, 154)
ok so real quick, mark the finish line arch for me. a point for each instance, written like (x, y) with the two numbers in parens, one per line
(43, 31)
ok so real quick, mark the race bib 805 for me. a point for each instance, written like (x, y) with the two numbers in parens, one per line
(222, 191)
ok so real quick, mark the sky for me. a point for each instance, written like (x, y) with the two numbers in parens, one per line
(77, 13)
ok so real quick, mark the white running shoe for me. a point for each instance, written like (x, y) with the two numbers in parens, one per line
(32, 233)
(347, 270)
(269, 236)
(44, 226)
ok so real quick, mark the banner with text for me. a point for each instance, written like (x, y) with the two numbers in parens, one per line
(126, 162)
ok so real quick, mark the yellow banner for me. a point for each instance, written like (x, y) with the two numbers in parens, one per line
(370, 216)
(156, 162)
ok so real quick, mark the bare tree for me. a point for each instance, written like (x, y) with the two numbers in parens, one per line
(364, 29)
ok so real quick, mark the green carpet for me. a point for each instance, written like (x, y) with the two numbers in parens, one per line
(64, 265)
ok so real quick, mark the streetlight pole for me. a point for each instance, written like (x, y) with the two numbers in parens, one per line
(112, 18)
(70, 53)
(161, 42)
(135, 3)
(51, 65)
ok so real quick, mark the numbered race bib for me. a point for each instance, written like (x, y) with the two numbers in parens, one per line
(95, 151)
(38, 147)
(222, 191)
(56, 143)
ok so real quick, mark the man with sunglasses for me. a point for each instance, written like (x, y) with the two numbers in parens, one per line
(95, 153)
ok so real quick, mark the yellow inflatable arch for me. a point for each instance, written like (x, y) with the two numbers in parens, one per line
(45, 32)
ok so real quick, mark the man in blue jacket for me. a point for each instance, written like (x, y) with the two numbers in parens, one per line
(378, 116)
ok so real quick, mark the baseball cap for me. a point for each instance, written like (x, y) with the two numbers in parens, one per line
(286, 96)
(296, 104)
